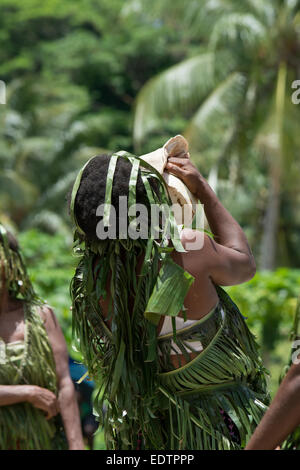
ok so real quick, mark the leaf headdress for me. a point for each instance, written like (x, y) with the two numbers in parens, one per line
(16, 278)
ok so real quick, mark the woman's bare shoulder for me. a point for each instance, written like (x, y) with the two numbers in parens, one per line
(197, 256)
(48, 316)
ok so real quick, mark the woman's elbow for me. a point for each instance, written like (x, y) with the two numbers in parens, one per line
(66, 387)
(249, 270)
(252, 268)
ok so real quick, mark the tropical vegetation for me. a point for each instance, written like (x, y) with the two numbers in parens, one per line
(90, 76)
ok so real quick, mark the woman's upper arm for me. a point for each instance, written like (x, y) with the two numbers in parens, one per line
(225, 266)
(57, 343)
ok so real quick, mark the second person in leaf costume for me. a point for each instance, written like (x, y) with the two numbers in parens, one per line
(170, 352)
(38, 407)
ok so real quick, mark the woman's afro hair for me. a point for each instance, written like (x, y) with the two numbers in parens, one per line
(91, 192)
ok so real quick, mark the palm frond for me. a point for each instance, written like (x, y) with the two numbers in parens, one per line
(242, 27)
(263, 11)
(181, 87)
(213, 123)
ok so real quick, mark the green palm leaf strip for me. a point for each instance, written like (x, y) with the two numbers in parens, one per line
(73, 197)
(108, 189)
(171, 287)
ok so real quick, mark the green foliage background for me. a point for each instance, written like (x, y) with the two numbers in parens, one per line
(91, 76)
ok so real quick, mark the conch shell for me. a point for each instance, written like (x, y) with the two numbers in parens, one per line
(184, 202)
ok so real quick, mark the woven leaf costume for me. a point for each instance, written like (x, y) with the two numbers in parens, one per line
(149, 404)
(28, 362)
(293, 440)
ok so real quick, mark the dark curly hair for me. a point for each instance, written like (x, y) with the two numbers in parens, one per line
(91, 192)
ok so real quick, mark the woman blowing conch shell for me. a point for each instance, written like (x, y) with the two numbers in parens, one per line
(169, 351)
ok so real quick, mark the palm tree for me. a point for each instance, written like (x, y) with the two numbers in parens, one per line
(41, 149)
(236, 93)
